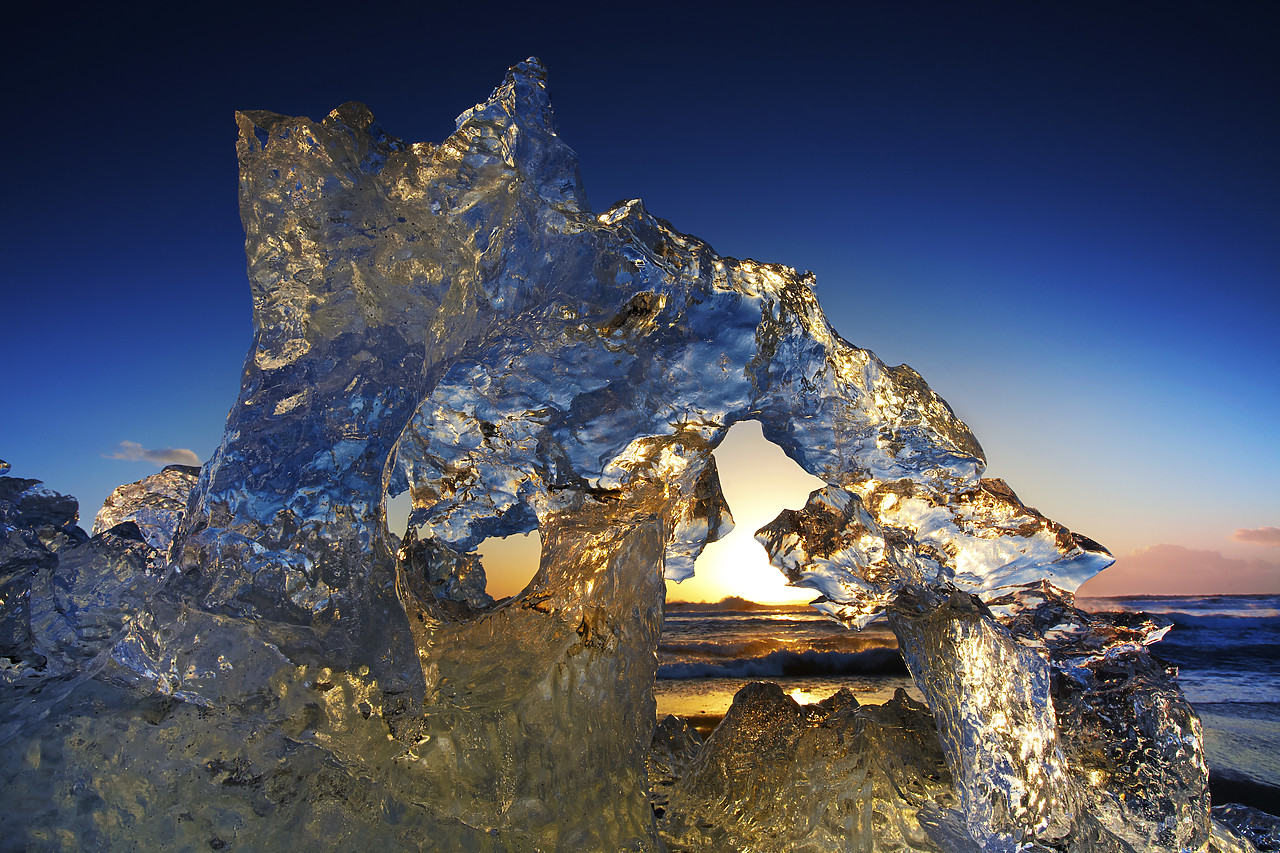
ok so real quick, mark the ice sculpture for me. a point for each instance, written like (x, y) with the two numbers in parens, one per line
(35, 524)
(778, 776)
(1132, 742)
(991, 698)
(1259, 827)
(155, 504)
(454, 321)
(675, 745)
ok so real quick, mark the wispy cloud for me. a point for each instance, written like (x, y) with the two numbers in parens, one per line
(134, 452)
(1258, 535)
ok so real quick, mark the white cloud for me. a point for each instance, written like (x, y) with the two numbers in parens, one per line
(134, 452)
(1258, 535)
(1174, 570)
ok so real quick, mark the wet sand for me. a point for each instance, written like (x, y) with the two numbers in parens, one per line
(704, 724)
(1242, 746)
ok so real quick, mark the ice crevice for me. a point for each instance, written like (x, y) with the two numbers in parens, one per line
(453, 321)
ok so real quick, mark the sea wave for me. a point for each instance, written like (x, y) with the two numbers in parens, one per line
(741, 649)
(1223, 621)
(1234, 609)
(784, 663)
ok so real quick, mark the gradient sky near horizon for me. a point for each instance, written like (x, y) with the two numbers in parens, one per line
(1066, 217)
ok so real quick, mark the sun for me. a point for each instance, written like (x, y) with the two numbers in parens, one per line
(758, 481)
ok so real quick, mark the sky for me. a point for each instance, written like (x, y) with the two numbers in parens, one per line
(1065, 216)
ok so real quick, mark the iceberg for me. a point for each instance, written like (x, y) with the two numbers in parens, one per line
(249, 653)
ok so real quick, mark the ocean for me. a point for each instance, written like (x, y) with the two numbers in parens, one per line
(1226, 650)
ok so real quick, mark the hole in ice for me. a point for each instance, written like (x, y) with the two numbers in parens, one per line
(758, 481)
(398, 509)
(510, 562)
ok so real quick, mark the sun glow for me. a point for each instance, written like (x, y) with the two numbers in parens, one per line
(758, 481)
(510, 562)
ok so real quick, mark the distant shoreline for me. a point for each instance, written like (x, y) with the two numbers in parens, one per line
(734, 603)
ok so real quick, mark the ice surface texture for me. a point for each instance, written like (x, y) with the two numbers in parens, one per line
(454, 321)
(35, 524)
(155, 504)
(778, 776)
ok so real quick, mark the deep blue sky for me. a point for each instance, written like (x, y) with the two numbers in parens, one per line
(1066, 216)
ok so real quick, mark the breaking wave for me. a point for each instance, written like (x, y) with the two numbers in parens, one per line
(784, 663)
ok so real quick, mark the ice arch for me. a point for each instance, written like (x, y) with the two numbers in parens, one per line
(454, 321)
